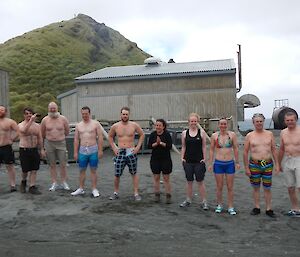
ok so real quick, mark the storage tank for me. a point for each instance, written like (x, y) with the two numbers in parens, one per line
(278, 116)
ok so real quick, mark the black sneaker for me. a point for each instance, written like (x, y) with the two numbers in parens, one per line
(157, 197)
(23, 186)
(270, 213)
(34, 190)
(13, 188)
(115, 196)
(255, 211)
(168, 198)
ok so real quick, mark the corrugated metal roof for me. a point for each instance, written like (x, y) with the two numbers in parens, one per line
(159, 70)
(70, 92)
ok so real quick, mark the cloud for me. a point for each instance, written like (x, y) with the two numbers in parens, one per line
(192, 30)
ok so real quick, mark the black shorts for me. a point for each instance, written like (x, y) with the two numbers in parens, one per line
(194, 170)
(6, 154)
(30, 159)
(164, 166)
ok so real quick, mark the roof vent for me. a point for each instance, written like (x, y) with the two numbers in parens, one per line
(151, 61)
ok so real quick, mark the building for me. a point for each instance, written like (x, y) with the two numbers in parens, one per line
(4, 89)
(156, 89)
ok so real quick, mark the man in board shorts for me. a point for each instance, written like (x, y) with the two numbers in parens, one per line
(126, 151)
(261, 145)
(88, 142)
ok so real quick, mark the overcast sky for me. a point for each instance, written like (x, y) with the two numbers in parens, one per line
(191, 30)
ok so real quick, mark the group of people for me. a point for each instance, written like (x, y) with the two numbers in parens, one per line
(260, 155)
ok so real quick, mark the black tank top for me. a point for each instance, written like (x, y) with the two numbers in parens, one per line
(193, 147)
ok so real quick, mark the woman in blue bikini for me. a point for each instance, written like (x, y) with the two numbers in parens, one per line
(224, 146)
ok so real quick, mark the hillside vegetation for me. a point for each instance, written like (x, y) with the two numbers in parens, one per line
(44, 62)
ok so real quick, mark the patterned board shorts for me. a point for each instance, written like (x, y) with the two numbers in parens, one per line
(261, 170)
(125, 157)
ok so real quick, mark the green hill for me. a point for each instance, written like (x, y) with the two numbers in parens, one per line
(44, 62)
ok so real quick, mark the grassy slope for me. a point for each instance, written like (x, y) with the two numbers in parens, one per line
(44, 62)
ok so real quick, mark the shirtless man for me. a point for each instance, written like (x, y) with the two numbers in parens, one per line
(30, 139)
(261, 145)
(88, 142)
(8, 133)
(126, 151)
(289, 157)
(55, 128)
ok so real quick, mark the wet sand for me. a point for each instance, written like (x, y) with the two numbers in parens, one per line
(58, 224)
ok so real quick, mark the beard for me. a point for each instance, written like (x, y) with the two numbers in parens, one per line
(125, 119)
(2, 115)
(53, 114)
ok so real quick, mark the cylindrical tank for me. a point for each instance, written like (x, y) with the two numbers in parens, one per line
(278, 116)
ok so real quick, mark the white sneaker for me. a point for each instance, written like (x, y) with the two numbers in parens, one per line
(65, 186)
(137, 197)
(95, 193)
(79, 191)
(53, 187)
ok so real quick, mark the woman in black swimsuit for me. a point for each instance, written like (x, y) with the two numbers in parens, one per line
(160, 142)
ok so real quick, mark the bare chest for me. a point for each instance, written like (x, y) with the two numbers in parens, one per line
(56, 125)
(125, 131)
(87, 129)
(4, 128)
(260, 142)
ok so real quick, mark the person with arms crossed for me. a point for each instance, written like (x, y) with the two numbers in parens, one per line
(88, 143)
(126, 151)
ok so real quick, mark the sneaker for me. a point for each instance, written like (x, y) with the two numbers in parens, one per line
(23, 186)
(270, 213)
(231, 211)
(168, 198)
(218, 209)
(95, 193)
(205, 206)
(185, 203)
(34, 190)
(53, 187)
(13, 189)
(137, 197)
(78, 191)
(255, 211)
(157, 197)
(65, 186)
(115, 196)
(293, 213)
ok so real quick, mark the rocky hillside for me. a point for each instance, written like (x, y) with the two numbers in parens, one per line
(44, 62)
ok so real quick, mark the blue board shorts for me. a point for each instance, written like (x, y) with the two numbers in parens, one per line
(88, 155)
